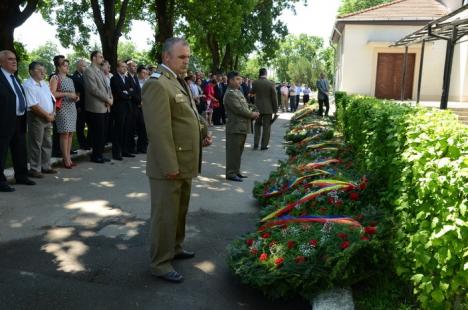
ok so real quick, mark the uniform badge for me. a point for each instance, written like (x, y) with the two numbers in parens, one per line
(155, 75)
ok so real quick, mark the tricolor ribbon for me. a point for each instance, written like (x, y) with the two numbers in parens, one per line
(306, 198)
(295, 183)
(338, 219)
(312, 166)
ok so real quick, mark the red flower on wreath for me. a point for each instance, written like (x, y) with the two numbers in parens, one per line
(331, 200)
(339, 203)
(342, 236)
(249, 242)
(266, 235)
(300, 259)
(344, 244)
(364, 238)
(370, 230)
(279, 261)
(253, 251)
(263, 257)
(291, 244)
(313, 243)
(354, 196)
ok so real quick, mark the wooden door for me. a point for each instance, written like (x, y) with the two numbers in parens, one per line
(390, 74)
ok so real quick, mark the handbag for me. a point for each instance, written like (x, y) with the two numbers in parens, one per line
(58, 101)
(215, 104)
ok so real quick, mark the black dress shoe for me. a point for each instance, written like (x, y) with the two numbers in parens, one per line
(117, 158)
(264, 148)
(25, 181)
(98, 160)
(141, 151)
(184, 255)
(236, 179)
(255, 147)
(128, 155)
(73, 152)
(173, 277)
(105, 159)
(5, 188)
(241, 176)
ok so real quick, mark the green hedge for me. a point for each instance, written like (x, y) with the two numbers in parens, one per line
(417, 158)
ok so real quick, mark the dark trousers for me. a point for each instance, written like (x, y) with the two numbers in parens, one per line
(219, 115)
(56, 151)
(323, 101)
(263, 125)
(142, 142)
(80, 129)
(98, 126)
(305, 98)
(17, 145)
(298, 98)
(292, 103)
(122, 129)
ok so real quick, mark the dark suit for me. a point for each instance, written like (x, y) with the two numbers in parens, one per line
(12, 131)
(80, 107)
(122, 114)
(139, 122)
(219, 115)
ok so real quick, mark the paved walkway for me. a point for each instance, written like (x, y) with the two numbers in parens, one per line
(78, 240)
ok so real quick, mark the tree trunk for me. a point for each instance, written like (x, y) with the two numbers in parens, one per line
(214, 50)
(227, 59)
(109, 51)
(165, 11)
(11, 17)
(6, 38)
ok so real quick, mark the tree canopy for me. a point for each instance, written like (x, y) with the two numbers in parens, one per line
(351, 6)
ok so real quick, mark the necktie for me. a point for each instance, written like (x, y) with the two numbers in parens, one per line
(19, 93)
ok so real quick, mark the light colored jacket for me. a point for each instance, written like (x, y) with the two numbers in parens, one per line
(173, 127)
(96, 90)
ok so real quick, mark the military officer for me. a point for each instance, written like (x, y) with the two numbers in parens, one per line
(173, 156)
(238, 125)
(266, 102)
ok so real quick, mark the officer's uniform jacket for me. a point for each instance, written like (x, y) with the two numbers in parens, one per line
(238, 112)
(265, 96)
(173, 126)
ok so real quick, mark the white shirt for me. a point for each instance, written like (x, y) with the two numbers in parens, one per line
(8, 77)
(306, 91)
(38, 94)
(142, 82)
(194, 89)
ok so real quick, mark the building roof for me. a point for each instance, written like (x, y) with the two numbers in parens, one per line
(395, 12)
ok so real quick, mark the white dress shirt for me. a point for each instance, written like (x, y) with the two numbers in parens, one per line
(8, 77)
(38, 93)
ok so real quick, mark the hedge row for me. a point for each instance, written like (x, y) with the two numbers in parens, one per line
(418, 162)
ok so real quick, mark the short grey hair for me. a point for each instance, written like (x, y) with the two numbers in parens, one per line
(4, 53)
(169, 44)
(80, 61)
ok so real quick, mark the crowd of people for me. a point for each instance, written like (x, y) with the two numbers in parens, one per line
(101, 107)
(139, 109)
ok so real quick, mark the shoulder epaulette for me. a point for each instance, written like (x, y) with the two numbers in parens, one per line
(155, 75)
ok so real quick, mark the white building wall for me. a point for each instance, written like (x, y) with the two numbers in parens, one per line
(357, 63)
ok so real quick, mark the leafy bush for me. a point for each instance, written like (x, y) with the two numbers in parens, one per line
(419, 159)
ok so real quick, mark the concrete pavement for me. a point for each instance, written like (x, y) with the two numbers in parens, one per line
(78, 240)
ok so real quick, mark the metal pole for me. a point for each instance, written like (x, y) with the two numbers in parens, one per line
(448, 69)
(405, 59)
(421, 62)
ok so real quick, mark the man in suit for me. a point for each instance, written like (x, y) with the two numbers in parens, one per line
(98, 99)
(173, 157)
(122, 112)
(237, 127)
(12, 122)
(322, 95)
(138, 122)
(78, 82)
(266, 102)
